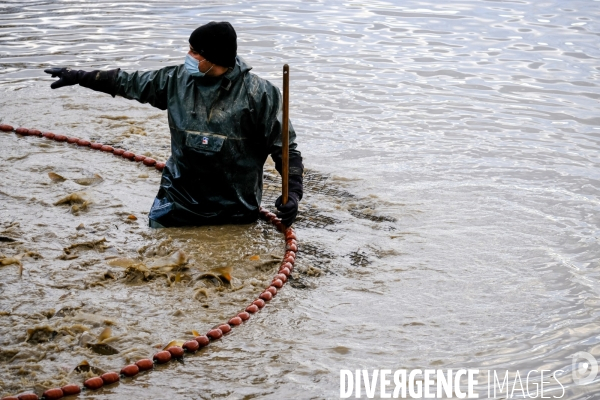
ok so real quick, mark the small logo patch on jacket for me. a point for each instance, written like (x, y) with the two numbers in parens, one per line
(204, 140)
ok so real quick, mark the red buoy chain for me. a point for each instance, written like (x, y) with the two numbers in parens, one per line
(195, 344)
(150, 162)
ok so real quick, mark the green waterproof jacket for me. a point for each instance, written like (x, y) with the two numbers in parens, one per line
(220, 141)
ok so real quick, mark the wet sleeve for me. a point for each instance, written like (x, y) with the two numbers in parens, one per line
(146, 87)
(272, 102)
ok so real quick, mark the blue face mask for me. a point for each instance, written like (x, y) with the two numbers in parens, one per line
(191, 65)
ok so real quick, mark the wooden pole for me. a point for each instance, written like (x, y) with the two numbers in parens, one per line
(285, 137)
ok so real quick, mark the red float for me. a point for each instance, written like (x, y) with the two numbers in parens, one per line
(162, 357)
(191, 346)
(225, 328)
(260, 303)
(34, 132)
(281, 277)
(83, 143)
(284, 271)
(287, 265)
(176, 351)
(107, 148)
(22, 131)
(145, 364)
(48, 135)
(244, 316)
(283, 266)
(149, 161)
(160, 166)
(139, 158)
(53, 394)
(292, 247)
(266, 296)
(235, 321)
(290, 254)
(118, 152)
(290, 234)
(278, 283)
(72, 140)
(96, 146)
(28, 396)
(272, 289)
(71, 389)
(289, 260)
(6, 128)
(10, 398)
(130, 370)
(252, 308)
(94, 383)
(110, 377)
(202, 340)
(214, 334)
(60, 138)
(128, 154)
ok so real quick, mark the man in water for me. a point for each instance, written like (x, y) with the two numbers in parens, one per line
(224, 121)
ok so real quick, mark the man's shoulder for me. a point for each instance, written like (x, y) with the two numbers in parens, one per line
(258, 86)
(174, 70)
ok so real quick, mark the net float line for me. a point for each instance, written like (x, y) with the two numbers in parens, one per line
(148, 161)
(195, 344)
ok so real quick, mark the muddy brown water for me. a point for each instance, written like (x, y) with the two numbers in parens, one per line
(450, 217)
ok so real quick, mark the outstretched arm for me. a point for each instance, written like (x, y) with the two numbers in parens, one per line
(145, 87)
(101, 81)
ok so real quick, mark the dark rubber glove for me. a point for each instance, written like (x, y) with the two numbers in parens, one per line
(101, 81)
(288, 211)
(68, 77)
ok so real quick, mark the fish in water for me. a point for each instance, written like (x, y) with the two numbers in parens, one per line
(222, 275)
(105, 334)
(94, 180)
(102, 349)
(87, 181)
(177, 343)
(123, 262)
(73, 198)
(167, 263)
(56, 177)
(84, 366)
(176, 259)
(10, 260)
(40, 334)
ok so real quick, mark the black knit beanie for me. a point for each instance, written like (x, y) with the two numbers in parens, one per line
(217, 42)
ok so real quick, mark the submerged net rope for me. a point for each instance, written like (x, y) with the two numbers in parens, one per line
(193, 345)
